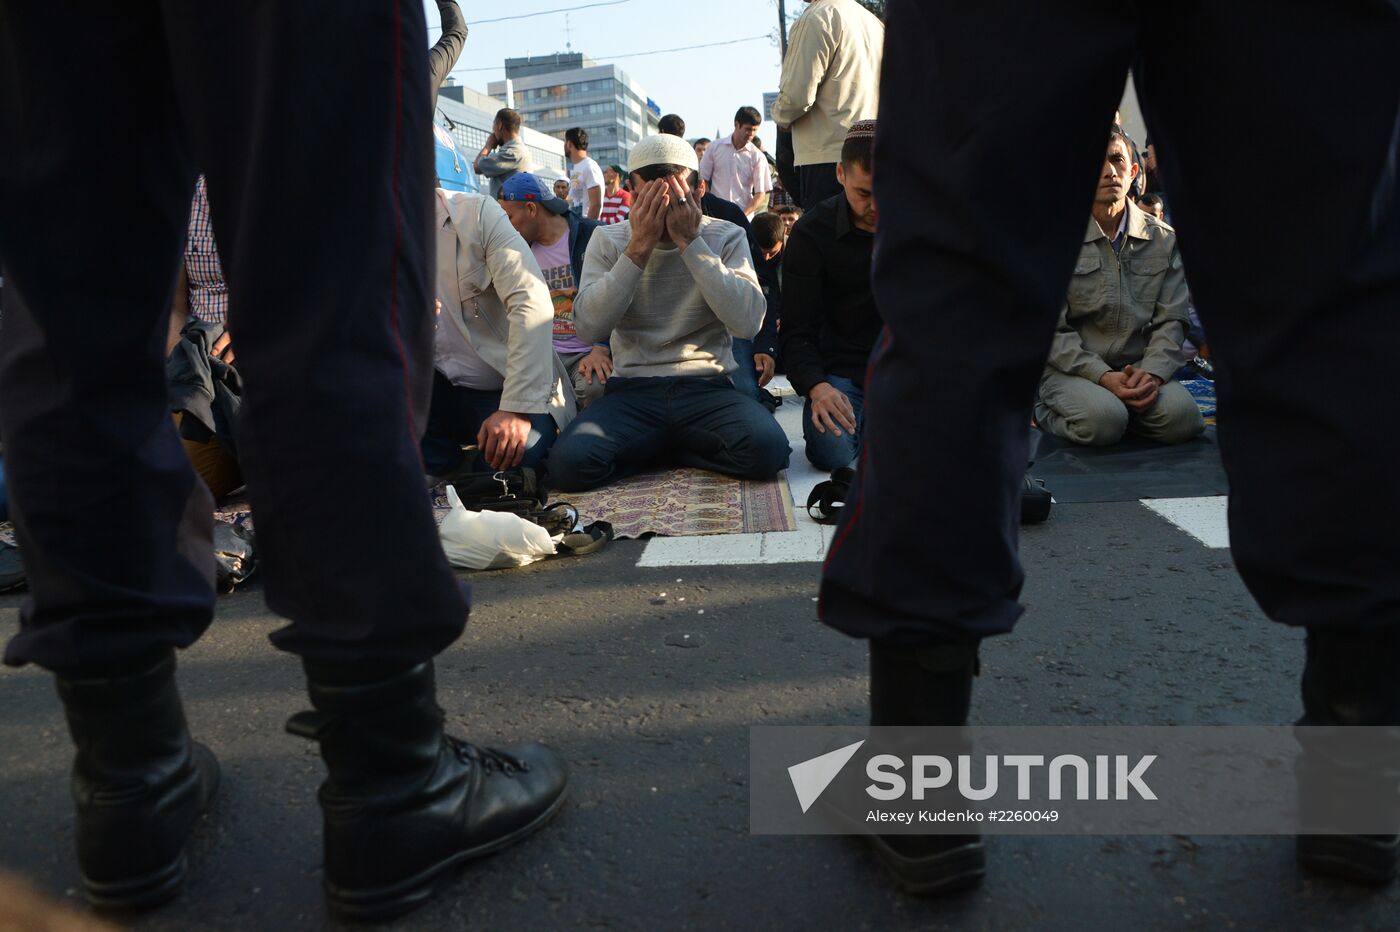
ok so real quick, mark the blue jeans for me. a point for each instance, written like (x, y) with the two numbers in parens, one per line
(744, 377)
(684, 420)
(4, 498)
(455, 418)
(826, 451)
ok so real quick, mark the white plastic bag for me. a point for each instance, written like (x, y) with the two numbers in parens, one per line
(491, 540)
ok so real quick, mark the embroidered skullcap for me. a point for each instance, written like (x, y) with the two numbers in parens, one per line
(662, 149)
(864, 129)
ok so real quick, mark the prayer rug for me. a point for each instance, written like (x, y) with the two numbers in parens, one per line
(687, 503)
(1203, 390)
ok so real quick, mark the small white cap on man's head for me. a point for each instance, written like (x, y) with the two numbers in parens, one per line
(662, 149)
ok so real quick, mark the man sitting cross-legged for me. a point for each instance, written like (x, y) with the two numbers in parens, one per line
(1122, 328)
(497, 381)
(672, 288)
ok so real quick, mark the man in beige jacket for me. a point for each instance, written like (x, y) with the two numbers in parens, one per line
(497, 381)
(1119, 341)
(830, 81)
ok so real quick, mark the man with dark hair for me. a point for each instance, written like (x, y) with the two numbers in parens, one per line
(790, 215)
(831, 77)
(558, 240)
(701, 145)
(671, 124)
(733, 167)
(1120, 336)
(830, 321)
(1151, 204)
(672, 288)
(756, 360)
(504, 153)
(585, 177)
(1152, 175)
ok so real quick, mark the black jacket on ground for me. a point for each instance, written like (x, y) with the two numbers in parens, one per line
(206, 389)
(830, 323)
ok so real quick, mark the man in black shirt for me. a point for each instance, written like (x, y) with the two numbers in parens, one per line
(829, 318)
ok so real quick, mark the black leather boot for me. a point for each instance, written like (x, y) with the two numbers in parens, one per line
(926, 686)
(139, 784)
(1351, 678)
(403, 802)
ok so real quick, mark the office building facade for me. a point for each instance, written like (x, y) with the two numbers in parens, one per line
(556, 92)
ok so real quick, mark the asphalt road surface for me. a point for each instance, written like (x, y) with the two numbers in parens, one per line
(1130, 620)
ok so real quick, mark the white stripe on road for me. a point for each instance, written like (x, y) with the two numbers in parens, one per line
(807, 544)
(1202, 518)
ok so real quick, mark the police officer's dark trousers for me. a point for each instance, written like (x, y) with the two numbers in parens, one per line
(974, 252)
(973, 255)
(312, 125)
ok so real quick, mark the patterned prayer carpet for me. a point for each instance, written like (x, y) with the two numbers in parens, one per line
(1203, 390)
(687, 503)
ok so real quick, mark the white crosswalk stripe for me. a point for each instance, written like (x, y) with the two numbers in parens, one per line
(807, 544)
(1202, 518)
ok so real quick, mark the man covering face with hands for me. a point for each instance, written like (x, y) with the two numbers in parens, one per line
(672, 289)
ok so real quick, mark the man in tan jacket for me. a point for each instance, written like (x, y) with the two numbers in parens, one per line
(1119, 341)
(830, 81)
(497, 381)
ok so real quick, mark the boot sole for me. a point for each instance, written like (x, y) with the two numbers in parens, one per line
(1349, 857)
(951, 871)
(161, 886)
(143, 893)
(407, 895)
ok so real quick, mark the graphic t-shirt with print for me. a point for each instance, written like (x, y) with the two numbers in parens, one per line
(559, 278)
(586, 174)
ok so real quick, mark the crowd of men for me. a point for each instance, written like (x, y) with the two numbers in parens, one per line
(665, 326)
(587, 328)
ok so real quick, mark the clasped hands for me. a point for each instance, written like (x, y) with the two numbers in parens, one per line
(1134, 387)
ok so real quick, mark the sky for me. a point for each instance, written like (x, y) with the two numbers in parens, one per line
(705, 86)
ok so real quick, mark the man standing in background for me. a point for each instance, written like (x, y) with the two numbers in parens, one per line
(504, 153)
(585, 177)
(830, 80)
(734, 168)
